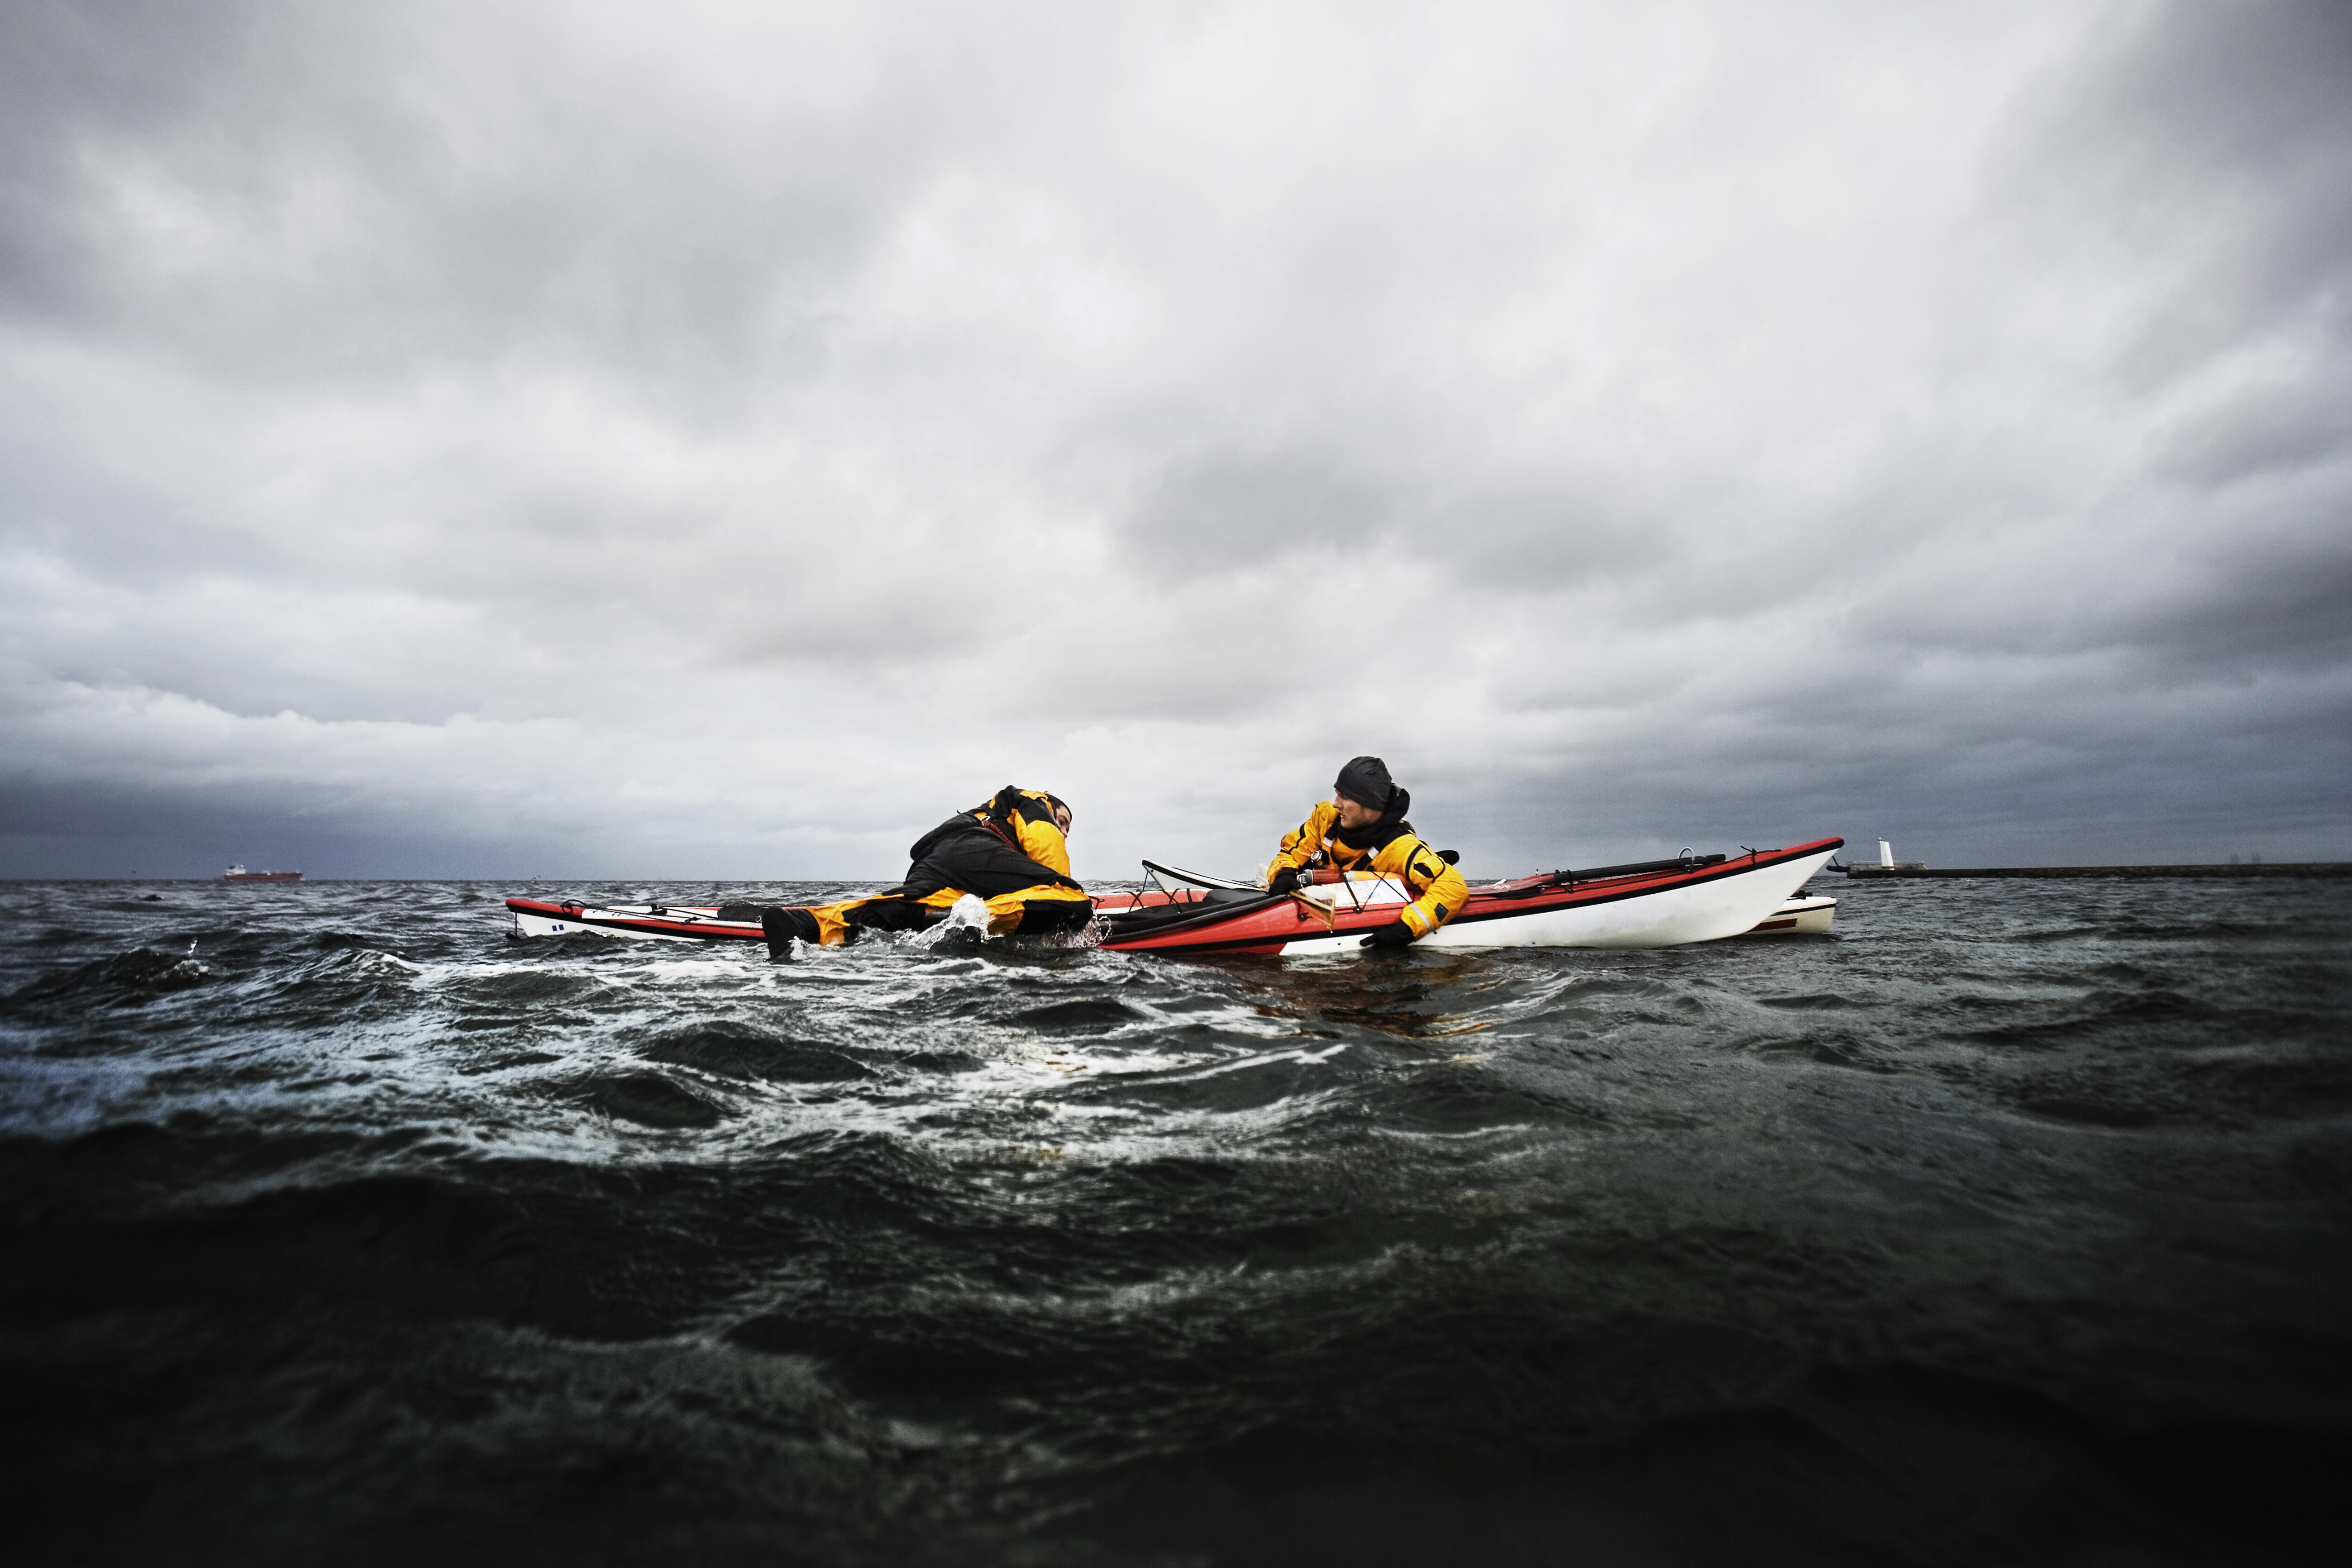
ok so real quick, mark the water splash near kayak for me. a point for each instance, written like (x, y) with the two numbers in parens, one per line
(966, 925)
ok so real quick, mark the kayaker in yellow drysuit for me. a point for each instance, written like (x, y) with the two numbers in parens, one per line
(1363, 828)
(1011, 851)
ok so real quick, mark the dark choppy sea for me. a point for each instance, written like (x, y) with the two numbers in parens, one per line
(2007, 1224)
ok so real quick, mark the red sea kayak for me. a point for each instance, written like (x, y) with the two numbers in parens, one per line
(1655, 904)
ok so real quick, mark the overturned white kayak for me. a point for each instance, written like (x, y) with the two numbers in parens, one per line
(1801, 916)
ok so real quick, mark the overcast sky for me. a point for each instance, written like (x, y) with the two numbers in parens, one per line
(717, 440)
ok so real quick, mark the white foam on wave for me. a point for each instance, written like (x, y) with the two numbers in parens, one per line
(967, 913)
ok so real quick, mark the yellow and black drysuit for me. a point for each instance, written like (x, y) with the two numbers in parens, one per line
(1389, 846)
(1009, 852)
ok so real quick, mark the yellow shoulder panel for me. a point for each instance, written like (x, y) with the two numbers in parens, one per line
(1043, 842)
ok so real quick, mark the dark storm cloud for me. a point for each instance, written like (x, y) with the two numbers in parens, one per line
(2264, 430)
(1701, 423)
(2222, 133)
(281, 189)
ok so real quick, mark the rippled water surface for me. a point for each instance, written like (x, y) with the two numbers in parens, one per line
(2008, 1224)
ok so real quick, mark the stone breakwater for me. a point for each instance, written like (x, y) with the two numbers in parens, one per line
(2306, 869)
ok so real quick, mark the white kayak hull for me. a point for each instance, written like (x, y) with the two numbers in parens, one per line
(1801, 916)
(1723, 905)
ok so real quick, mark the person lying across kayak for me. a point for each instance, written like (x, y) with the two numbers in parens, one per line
(1362, 829)
(1011, 851)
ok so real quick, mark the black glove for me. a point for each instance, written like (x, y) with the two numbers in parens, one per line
(1284, 881)
(1397, 934)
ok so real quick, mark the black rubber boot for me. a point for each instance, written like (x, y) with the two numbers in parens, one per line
(783, 925)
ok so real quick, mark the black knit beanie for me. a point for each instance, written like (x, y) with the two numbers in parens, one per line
(1365, 781)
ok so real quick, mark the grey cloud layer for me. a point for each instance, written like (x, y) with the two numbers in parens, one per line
(719, 448)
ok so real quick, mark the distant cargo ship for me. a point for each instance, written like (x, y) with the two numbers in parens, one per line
(239, 874)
